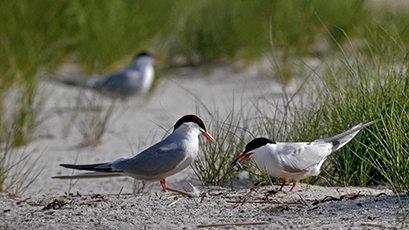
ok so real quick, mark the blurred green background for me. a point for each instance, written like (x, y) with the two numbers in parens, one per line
(96, 34)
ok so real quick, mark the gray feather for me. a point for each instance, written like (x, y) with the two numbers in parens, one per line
(89, 175)
(338, 141)
(153, 161)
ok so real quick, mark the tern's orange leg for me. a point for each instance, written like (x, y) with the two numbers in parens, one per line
(282, 185)
(292, 187)
(163, 184)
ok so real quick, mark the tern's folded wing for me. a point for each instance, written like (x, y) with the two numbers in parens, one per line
(299, 157)
(154, 161)
(116, 80)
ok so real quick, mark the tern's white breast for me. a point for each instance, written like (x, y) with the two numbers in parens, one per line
(188, 139)
(269, 160)
(147, 79)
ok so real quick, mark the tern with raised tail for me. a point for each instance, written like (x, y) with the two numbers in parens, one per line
(166, 158)
(294, 160)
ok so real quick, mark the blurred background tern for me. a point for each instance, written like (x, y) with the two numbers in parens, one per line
(135, 79)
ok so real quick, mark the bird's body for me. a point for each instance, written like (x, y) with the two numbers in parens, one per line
(293, 160)
(296, 160)
(166, 158)
(135, 79)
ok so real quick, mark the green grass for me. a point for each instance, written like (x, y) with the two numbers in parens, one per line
(213, 165)
(37, 36)
(104, 32)
(18, 168)
(355, 88)
(360, 92)
(212, 30)
(92, 125)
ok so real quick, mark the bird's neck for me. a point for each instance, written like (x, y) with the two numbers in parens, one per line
(187, 138)
(186, 132)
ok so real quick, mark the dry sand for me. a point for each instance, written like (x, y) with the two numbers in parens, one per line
(135, 125)
(313, 208)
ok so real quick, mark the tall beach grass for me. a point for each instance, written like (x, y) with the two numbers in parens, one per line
(354, 87)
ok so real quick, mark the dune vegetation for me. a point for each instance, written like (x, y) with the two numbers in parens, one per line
(362, 44)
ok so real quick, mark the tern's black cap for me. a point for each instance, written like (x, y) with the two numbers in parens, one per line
(190, 118)
(143, 53)
(256, 143)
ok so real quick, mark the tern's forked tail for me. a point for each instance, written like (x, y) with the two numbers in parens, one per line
(343, 138)
(89, 175)
(101, 167)
(98, 170)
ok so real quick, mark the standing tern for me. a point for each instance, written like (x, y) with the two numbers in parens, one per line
(294, 160)
(137, 78)
(166, 158)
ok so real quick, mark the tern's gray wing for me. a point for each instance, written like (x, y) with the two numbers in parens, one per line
(300, 157)
(154, 161)
(125, 82)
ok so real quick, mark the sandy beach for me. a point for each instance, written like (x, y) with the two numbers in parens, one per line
(311, 207)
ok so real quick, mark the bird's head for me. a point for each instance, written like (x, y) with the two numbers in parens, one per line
(251, 149)
(193, 122)
(147, 58)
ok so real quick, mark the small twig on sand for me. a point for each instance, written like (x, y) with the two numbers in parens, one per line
(183, 193)
(194, 193)
(244, 198)
(173, 203)
(350, 196)
(267, 202)
(302, 200)
(22, 201)
(94, 198)
(232, 224)
(120, 191)
(381, 194)
(56, 204)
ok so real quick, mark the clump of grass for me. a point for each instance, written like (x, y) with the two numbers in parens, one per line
(352, 89)
(18, 169)
(359, 91)
(93, 124)
(27, 45)
(213, 165)
(390, 154)
(29, 106)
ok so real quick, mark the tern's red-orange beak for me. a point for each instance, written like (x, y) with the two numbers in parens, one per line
(243, 157)
(209, 137)
(159, 59)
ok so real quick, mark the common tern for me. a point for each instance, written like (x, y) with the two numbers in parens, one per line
(294, 160)
(137, 78)
(166, 158)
